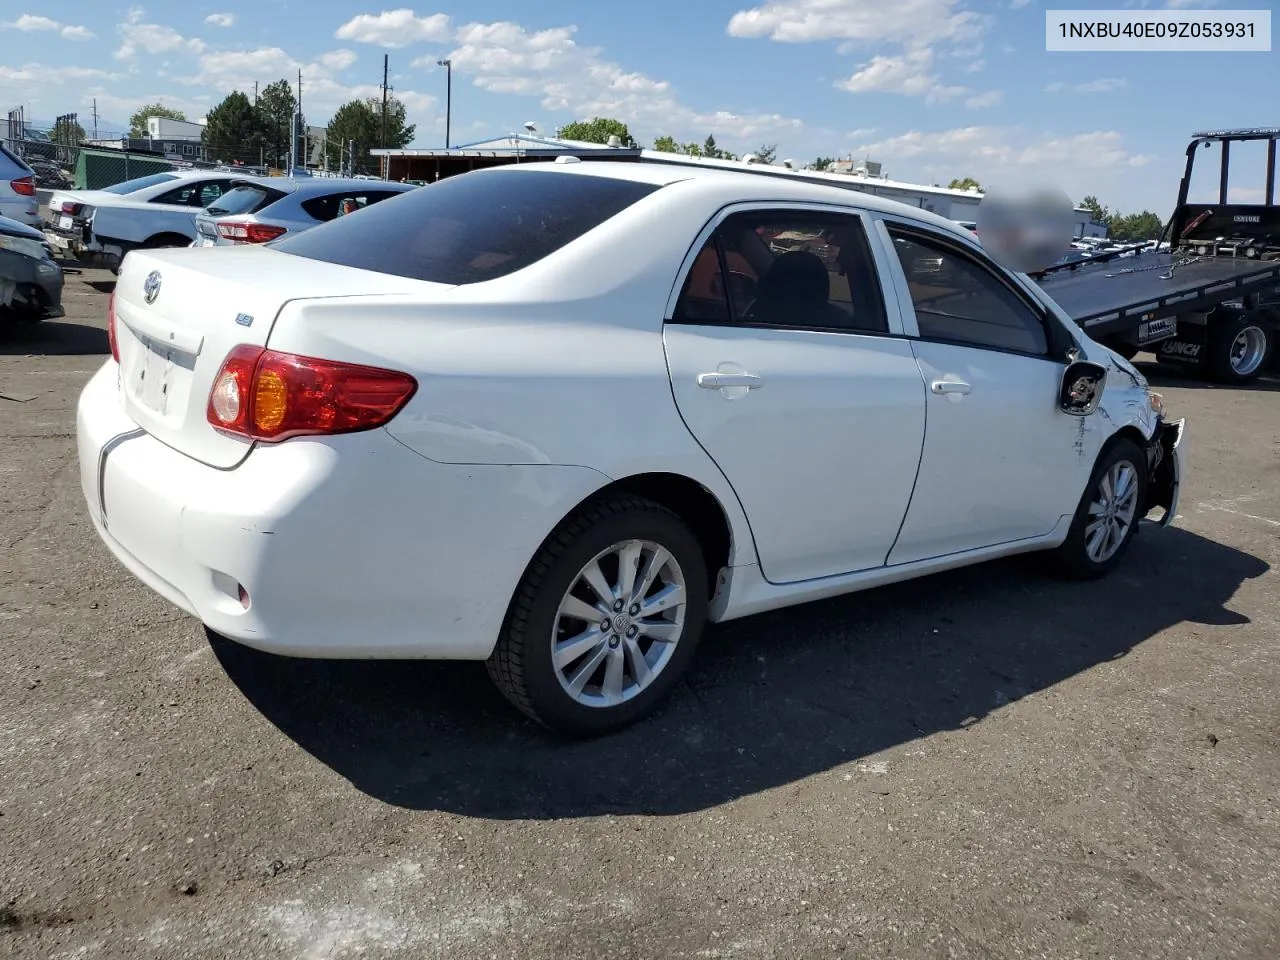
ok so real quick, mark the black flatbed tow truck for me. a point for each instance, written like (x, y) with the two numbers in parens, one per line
(1211, 302)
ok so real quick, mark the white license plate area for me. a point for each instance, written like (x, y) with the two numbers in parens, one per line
(152, 375)
(66, 223)
(203, 241)
(1152, 331)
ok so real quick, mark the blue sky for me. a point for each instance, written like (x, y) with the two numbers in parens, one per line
(930, 88)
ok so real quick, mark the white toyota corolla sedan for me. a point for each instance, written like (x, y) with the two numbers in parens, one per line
(557, 416)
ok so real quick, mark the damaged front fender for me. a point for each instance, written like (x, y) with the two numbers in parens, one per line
(1166, 456)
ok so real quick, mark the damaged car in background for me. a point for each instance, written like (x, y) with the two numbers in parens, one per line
(30, 280)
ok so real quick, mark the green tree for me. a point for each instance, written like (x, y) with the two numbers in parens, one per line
(767, 153)
(232, 132)
(138, 122)
(665, 144)
(68, 132)
(822, 163)
(275, 110)
(360, 121)
(710, 149)
(964, 183)
(1135, 226)
(1096, 209)
(598, 130)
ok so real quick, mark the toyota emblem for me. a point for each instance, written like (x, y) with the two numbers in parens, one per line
(151, 286)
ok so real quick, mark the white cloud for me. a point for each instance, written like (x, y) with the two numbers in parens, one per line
(992, 98)
(1101, 85)
(916, 23)
(322, 92)
(221, 19)
(151, 37)
(29, 23)
(566, 77)
(395, 28)
(338, 59)
(1079, 163)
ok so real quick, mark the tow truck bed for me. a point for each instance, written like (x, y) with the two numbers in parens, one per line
(1103, 299)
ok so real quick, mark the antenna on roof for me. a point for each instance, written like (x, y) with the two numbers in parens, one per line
(530, 126)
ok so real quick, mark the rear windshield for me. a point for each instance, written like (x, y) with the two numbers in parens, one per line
(471, 227)
(140, 183)
(244, 199)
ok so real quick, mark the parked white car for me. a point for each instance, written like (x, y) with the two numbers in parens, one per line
(556, 417)
(101, 226)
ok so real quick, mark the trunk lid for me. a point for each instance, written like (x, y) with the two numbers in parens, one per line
(205, 303)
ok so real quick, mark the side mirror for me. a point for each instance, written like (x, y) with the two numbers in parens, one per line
(1081, 390)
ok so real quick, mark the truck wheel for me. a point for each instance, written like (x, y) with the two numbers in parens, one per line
(1239, 348)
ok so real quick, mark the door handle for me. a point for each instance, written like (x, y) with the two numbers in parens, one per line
(717, 381)
(951, 386)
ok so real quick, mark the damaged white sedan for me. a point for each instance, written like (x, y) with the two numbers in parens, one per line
(556, 417)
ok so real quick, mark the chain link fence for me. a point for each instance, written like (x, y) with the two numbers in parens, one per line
(66, 157)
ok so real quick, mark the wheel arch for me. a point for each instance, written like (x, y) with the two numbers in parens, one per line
(165, 238)
(691, 502)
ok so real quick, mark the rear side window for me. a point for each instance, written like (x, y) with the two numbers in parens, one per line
(140, 183)
(326, 208)
(471, 227)
(244, 199)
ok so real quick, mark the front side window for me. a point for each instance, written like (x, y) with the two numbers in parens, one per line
(959, 300)
(786, 269)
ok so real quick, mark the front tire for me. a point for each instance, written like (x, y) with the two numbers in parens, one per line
(1108, 514)
(606, 618)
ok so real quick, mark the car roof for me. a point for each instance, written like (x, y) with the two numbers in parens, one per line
(310, 185)
(16, 228)
(752, 186)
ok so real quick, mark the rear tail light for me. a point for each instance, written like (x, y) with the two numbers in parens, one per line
(24, 186)
(268, 395)
(111, 327)
(248, 232)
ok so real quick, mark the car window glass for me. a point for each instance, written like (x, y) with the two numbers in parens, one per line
(703, 299)
(140, 183)
(209, 192)
(332, 205)
(788, 268)
(960, 301)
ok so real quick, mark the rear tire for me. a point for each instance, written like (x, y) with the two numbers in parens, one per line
(585, 665)
(1238, 348)
(1108, 515)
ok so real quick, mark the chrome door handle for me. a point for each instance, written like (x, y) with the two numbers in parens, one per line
(717, 381)
(951, 386)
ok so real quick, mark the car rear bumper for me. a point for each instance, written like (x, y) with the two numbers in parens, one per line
(348, 547)
(1166, 462)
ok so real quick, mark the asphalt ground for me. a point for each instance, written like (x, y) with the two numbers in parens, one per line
(990, 763)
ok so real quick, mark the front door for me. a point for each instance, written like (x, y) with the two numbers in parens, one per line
(1001, 462)
(794, 377)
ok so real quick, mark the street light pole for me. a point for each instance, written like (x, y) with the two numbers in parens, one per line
(448, 98)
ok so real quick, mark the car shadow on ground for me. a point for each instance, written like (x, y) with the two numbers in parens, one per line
(769, 701)
(51, 338)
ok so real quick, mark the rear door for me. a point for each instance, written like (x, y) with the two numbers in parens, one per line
(789, 367)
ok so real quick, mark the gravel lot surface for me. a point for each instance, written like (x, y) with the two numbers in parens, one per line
(984, 764)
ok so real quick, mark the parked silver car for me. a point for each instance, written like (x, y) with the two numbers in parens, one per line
(18, 189)
(260, 209)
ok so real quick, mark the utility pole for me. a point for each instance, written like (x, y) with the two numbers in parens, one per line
(448, 98)
(255, 93)
(386, 59)
(95, 118)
